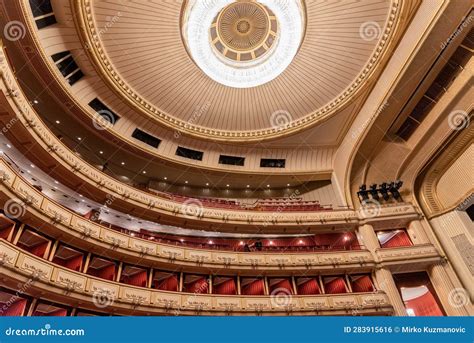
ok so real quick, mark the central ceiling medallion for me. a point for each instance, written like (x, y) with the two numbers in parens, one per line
(243, 43)
(244, 31)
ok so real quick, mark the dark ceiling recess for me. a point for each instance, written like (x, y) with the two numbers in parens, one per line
(232, 160)
(272, 163)
(146, 138)
(443, 81)
(43, 13)
(189, 153)
(67, 66)
(104, 111)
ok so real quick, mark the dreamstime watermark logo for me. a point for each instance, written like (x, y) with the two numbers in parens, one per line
(458, 31)
(110, 21)
(13, 299)
(356, 132)
(192, 208)
(103, 120)
(281, 297)
(370, 208)
(370, 30)
(458, 120)
(102, 298)
(9, 125)
(197, 113)
(14, 208)
(458, 298)
(280, 119)
(14, 30)
(109, 201)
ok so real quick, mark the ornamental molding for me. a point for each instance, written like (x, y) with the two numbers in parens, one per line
(427, 192)
(398, 19)
(170, 254)
(85, 288)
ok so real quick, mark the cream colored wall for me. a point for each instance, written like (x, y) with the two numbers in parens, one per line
(458, 181)
(451, 227)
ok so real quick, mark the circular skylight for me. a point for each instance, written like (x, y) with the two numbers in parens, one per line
(243, 44)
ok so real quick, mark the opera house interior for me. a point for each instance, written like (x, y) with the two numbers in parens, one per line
(236, 158)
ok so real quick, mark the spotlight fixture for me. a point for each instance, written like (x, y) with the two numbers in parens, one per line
(374, 192)
(394, 187)
(362, 193)
(384, 191)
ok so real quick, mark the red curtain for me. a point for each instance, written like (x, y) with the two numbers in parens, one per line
(4, 233)
(226, 287)
(199, 286)
(37, 250)
(74, 263)
(168, 284)
(362, 284)
(280, 286)
(61, 312)
(335, 285)
(336, 241)
(256, 287)
(139, 279)
(15, 309)
(307, 287)
(399, 239)
(107, 273)
(424, 305)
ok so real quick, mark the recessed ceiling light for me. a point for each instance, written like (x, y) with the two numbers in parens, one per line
(58, 122)
(79, 138)
(56, 182)
(186, 181)
(248, 186)
(144, 172)
(268, 185)
(9, 146)
(32, 165)
(271, 242)
(181, 240)
(300, 241)
(287, 185)
(101, 152)
(165, 178)
(35, 101)
(80, 195)
(123, 163)
(227, 185)
(211, 242)
(207, 183)
(241, 243)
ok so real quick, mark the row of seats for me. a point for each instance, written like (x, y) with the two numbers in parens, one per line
(268, 204)
(63, 254)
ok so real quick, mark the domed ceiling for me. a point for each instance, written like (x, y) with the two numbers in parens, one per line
(248, 70)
